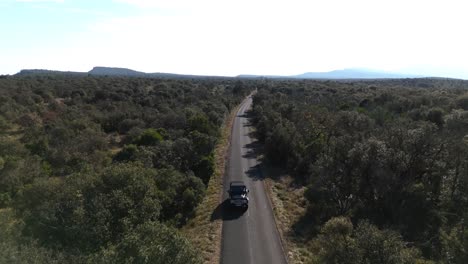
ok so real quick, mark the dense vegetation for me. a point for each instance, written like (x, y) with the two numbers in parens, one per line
(385, 164)
(105, 170)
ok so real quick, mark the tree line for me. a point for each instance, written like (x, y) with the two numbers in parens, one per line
(384, 164)
(105, 169)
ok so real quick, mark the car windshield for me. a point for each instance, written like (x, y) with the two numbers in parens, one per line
(238, 190)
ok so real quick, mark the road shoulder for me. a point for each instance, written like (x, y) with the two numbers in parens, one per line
(288, 206)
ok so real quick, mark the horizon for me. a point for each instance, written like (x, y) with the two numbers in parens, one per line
(216, 38)
(348, 70)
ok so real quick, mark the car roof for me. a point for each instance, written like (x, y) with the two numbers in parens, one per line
(237, 183)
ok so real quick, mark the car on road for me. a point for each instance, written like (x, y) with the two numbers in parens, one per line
(238, 192)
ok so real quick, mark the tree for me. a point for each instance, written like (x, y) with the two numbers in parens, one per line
(199, 122)
(455, 244)
(278, 146)
(340, 242)
(335, 243)
(462, 102)
(383, 246)
(436, 116)
(204, 168)
(88, 211)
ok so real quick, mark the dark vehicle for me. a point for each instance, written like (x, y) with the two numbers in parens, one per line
(238, 194)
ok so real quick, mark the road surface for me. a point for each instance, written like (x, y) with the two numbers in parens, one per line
(248, 236)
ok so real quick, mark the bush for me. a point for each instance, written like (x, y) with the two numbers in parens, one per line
(151, 242)
(149, 137)
(455, 244)
(436, 116)
(462, 102)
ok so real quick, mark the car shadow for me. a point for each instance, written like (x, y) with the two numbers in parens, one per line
(226, 212)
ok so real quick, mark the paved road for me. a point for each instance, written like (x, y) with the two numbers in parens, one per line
(248, 236)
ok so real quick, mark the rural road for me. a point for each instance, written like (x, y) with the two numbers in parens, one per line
(248, 236)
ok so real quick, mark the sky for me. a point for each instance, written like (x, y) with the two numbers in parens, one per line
(220, 37)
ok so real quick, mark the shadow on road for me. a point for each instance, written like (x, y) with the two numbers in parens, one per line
(250, 155)
(226, 212)
(247, 114)
(255, 173)
(253, 149)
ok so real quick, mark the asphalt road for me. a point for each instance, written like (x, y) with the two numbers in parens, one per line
(249, 236)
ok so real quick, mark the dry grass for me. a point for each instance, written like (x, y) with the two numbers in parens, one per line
(202, 231)
(13, 133)
(7, 219)
(289, 206)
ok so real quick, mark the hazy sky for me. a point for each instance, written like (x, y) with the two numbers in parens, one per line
(218, 37)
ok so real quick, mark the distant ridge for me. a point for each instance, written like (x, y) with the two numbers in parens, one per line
(47, 72)
(115, 72)
(339, 74)
(345, 74)
(354, 74)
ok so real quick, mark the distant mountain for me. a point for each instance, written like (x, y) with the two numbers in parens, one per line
(115, 72)
(253, 76)
(108, 71)
(47, 72)
(338, 74)
(181, 76)
(353, 74)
